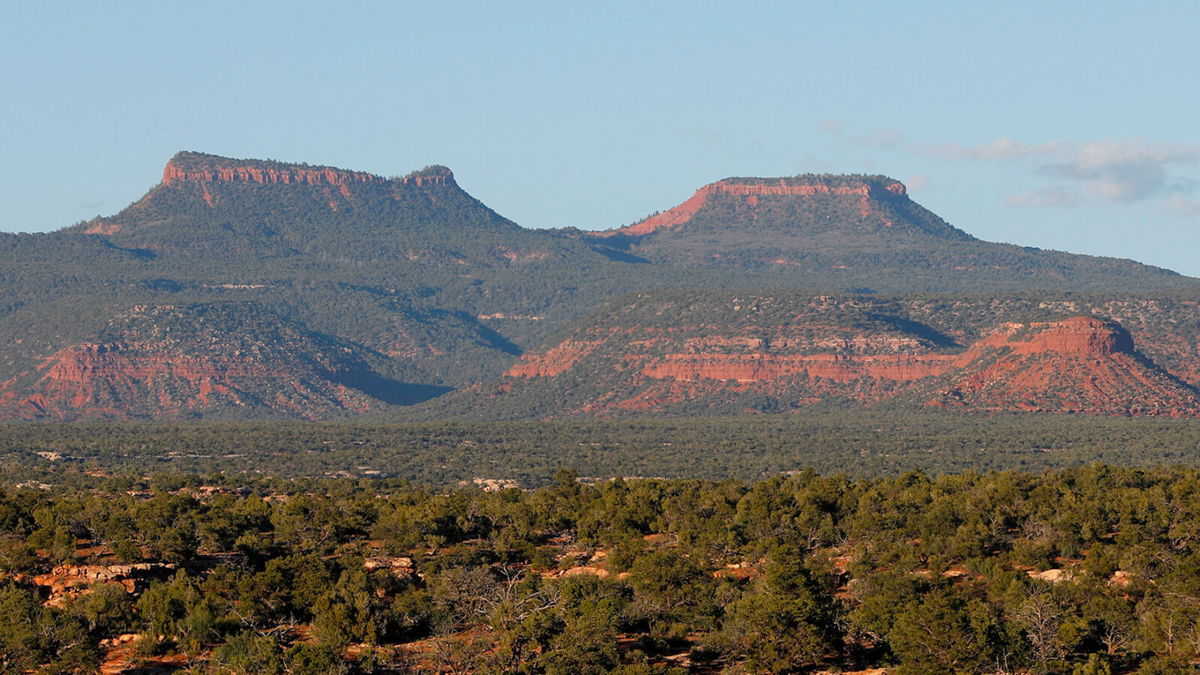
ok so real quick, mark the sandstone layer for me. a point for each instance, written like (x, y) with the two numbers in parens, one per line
(1080, 365)
(820, 350)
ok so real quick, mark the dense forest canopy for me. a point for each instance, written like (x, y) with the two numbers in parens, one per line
(315, 548)
(1085, 570)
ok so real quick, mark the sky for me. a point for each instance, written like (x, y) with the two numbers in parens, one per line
(1065, 125)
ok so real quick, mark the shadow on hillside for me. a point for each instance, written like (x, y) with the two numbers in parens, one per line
(488, 337)
(920, 330)
(620, 256)
(392, 392)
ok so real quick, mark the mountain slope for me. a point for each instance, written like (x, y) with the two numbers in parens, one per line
(422, 238)
(428, 286)
(211, 205)
(171, 361)
(1080, 365)
(723, 353)
(808, 204)
(856, 232)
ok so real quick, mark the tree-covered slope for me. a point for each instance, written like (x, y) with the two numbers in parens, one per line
(858, 232)
(729, 353)
(449, 293)
(184, 361)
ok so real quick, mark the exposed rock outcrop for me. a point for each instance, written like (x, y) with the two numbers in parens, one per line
(864, 190)
(198, 167)
(556, 360)
(1080, 335)
(687, 353)
(763, 367)
(430, 175)
(174, 173)
(1078, 365)
(69, 581)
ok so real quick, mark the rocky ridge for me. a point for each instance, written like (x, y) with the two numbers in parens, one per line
(147, 365)
(775, 354)
(865, 189)
(808, 202)
(65, 582)
(375, 291)
(1079, 365)
(201, 167)
(187, 167)
(191, 180)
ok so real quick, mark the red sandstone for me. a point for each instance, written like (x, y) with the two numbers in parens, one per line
(1077, 335)
(765, 367)
(1081, 364)
(558, 359)
(119, 381)
(289, 175)
(247, 174)
(752, 191)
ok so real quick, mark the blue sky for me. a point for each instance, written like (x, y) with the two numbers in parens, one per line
(1060, 125)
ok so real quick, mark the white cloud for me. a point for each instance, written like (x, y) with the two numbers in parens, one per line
(1049, 197)
(1125, 170)
(1180, 204)
(1001, 148)
(835, 127)
(886, 139)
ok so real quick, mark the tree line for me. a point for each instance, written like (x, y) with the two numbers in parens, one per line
(1085, 570)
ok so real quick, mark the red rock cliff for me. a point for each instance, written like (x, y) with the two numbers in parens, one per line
(432, 175)
(175, 173)
(197, 167)
(1078, 365)
(754, 188)
(1080, 335)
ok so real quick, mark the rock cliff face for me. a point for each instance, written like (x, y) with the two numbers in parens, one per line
(555, 361)
(764, 367)
(721, 354)
(1081, 336)
(179, 170)
(1079, 365)
(116, 380)
(67, 582)
(200, 183)
(860, 192)
(680, 356)
(430, 176)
